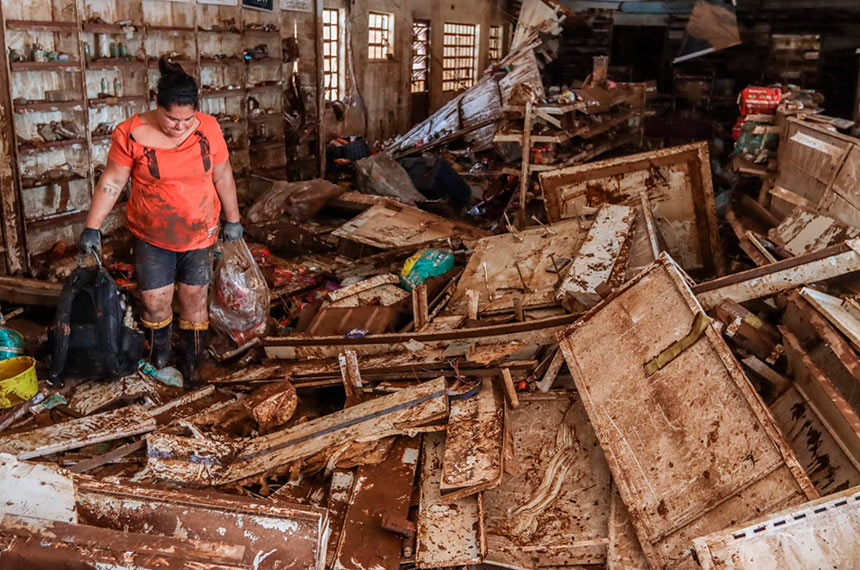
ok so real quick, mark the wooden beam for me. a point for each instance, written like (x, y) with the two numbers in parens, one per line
(351, 376)
(552, 372)
(420, 314)
(525, 175)
(781, 276)
(510, 390)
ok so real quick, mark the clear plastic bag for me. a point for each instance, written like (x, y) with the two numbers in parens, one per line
(239, 299)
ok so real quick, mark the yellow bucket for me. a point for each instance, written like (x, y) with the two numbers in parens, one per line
(18, 382)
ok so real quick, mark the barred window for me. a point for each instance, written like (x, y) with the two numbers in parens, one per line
(331, 54)
(495, 48)
(459, 56)
(380, 32)
(420, 55)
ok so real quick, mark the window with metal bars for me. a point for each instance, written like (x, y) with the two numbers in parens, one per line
(420, 55)
(495, 47)
(331, 54)
(380, 33)
(459, 56)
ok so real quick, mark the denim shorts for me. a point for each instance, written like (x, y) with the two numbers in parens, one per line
(156, 267)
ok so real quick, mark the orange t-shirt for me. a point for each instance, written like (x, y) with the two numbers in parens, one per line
(173, 203)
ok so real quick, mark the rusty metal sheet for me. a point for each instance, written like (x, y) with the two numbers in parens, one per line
(819, 534)
(678, 185)
(379, 490)
(553, 510)
(38, 544)
(107, 426)
(389, 225)
(474, 444)
(517, 265)
(449, 533)
(275, 535)
(218, 461)
(691, 446)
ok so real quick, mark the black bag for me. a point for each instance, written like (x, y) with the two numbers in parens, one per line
(89, 336)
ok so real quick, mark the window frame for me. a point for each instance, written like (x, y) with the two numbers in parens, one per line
(381, 25)
(459, 56)
(419, 80)
(332, 26)
(495, 39)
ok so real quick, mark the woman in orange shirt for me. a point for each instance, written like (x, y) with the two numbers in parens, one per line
(181, 180)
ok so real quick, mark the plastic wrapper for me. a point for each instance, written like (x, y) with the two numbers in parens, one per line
(426, 263)
(239, 300)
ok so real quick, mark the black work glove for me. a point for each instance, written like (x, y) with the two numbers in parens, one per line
(90, 242)
(232, 231)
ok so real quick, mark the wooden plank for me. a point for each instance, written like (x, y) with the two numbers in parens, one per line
(824, 458)
(589, 274)
(553, 509)
(342, 481)
(109, 457)
(624, 552)
(494, 268)
(107, 426)
(94, 396)
(199, 460)
(274, 534)
(804, 231)
(780, 276)
(551, 372)
(525, 177)
(510, 390)
(383, 489)
(677, 182)
(475, 442)
(389, 225)
(450, 533)
(673, 438)
(36, 490)
(824, 533)
(37, 543)
(842, 313)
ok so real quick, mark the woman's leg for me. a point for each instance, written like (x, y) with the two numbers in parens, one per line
(155, 269)
(193, 272)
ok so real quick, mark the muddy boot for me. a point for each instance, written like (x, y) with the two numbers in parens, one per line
(193, 337)
(159, 337)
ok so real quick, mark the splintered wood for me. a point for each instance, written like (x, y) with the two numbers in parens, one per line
(213, 461)
(379, 490)
(526, 264)
(691, 446)
(450, 533)
(474, 446)
(554, 509)
(599, 257)
(819, 534)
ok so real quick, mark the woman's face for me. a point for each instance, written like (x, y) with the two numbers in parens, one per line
(177, 120)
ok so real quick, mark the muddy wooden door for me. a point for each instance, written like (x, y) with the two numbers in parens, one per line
(678, 185)
(691, 446)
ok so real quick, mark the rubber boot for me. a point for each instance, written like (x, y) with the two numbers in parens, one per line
(193, 337)
(159, 339)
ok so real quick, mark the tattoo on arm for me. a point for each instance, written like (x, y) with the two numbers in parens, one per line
(111, 189)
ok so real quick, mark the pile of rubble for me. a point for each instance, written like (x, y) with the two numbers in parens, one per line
(605, 377)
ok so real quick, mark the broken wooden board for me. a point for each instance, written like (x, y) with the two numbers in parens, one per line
(474, 444)
(23, 291)
(532, 332)
(599, 258)
(274, 535)
(824, 533)
(624, 551)
(36, 490)
(211, 461)
(450, 533)
(824, 458)
(554, 509)
(677, 181)
(780, 276)
(107, 426)
(820, 166)
(44, 545)
(342, 481)
(331, 321)
(391, 225)
(804, 232)
(844, 314)
(525, 264)
(690, 452)
(94, 395)
(379, 490)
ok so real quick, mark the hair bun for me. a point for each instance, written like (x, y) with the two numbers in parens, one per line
(166, 67)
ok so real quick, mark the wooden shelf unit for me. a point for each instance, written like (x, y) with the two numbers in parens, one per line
(154, 27)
